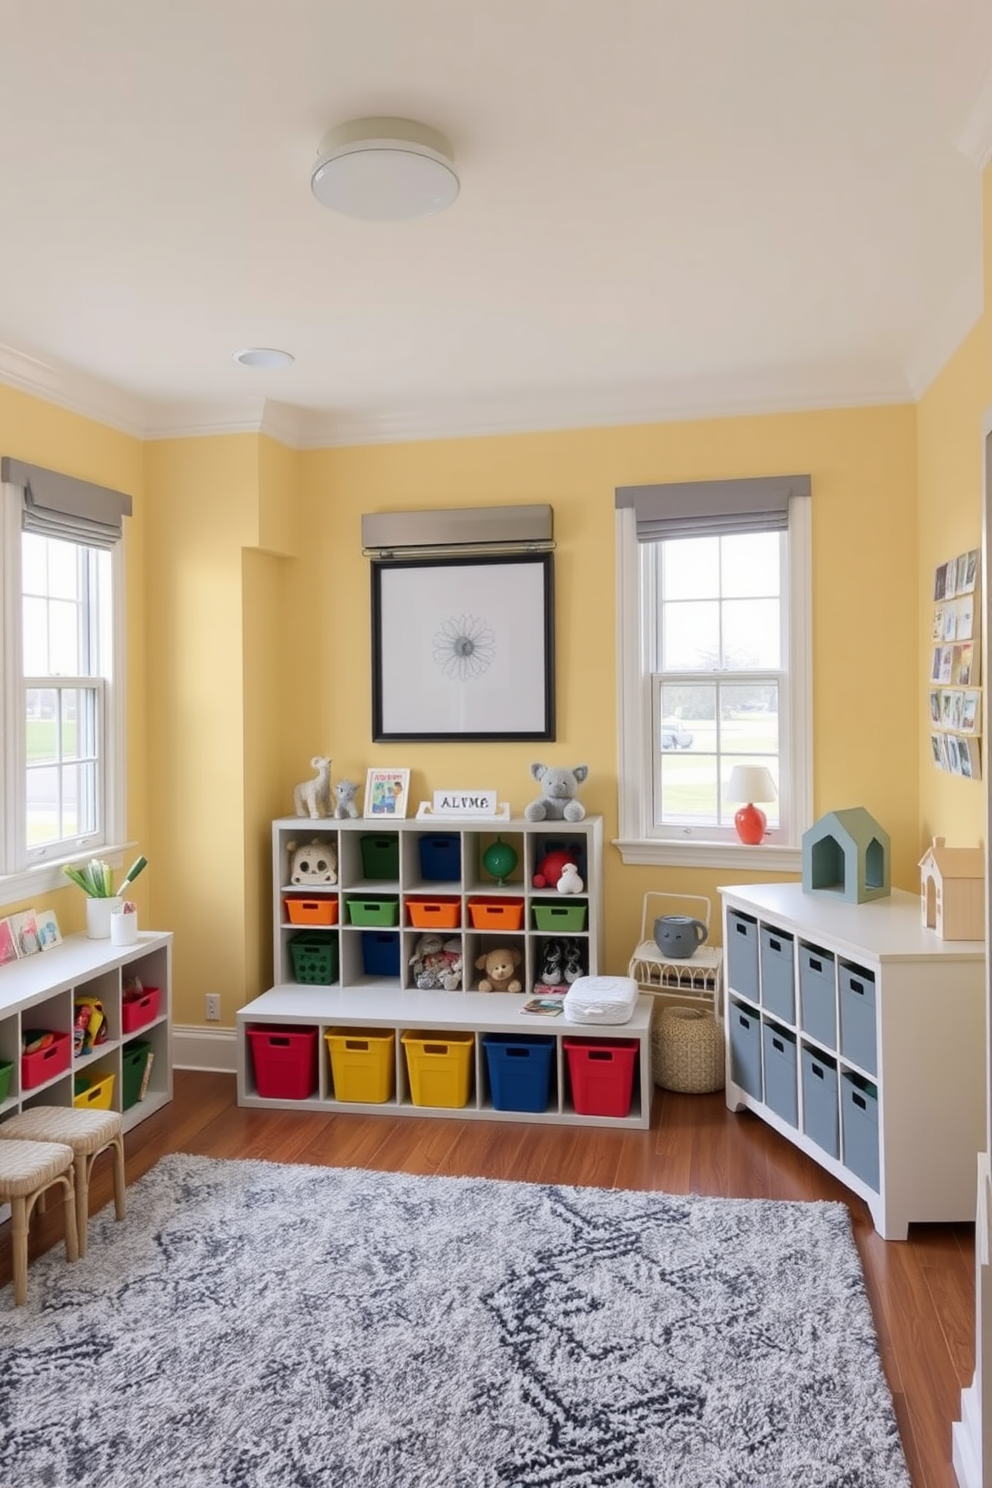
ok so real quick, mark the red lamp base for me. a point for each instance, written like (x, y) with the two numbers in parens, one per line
(751, 822)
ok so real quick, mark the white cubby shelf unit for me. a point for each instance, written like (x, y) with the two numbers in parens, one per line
(385, 997)
(859, 1035)
(39, 992)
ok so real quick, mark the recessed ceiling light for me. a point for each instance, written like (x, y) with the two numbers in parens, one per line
(263, 356)
(384, 170)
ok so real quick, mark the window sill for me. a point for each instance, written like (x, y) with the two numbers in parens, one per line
(765, 859)
(45, 878)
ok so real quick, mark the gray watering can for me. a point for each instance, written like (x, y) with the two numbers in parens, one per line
(678, 936)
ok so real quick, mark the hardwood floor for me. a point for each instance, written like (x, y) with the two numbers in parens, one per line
(922, 1290)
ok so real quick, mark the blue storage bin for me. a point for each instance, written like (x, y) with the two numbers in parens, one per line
(859, 1125)
(441, 857)
(821, 1120)
(381, 952)
(857, 1016)
(818, 994)
(519, 1069)
(745, 1048)
(742, 954)
(781, 1076)
(778, 982)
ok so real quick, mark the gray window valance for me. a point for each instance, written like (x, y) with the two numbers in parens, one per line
(712, 508)
(62, 506)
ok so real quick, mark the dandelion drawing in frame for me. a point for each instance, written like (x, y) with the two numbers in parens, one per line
(464, 647)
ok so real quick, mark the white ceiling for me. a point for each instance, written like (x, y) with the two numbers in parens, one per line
(668, 208)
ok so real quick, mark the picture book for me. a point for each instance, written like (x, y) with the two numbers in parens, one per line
(544, 1007)
(24, 929)
(8, 943)
(48, 929)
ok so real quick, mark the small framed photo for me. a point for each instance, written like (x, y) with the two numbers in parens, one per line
(963, 664)
(961, 575)
(935, 707)
(953, 755)
(48, 929)
(24, 929)
(950, 621)
(386, 793)
(970, 758)
(966, 618)
(946, 709)
(970, 572)
(970, 705)
(940, 582)
(935, 743)
(935, 661)
(947, 664)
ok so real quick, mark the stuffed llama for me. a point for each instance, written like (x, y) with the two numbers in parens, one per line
(313, 797)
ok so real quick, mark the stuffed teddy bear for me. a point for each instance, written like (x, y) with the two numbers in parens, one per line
(498, 968)
(314, 863)
(559, 788)
(344, 799)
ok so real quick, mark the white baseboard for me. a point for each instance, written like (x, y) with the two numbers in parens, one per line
(966, 1441)
(204, 1048)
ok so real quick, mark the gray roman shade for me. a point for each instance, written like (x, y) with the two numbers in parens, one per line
(712, 508)
(62, 506)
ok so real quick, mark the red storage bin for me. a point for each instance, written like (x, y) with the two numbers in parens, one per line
(285, 1061)
(602, 1075)
(140, 1010)
(42, 1065)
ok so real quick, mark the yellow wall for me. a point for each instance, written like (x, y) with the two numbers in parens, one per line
(949, 429)
(248, 630)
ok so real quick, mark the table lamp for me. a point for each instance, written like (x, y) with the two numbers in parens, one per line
(750, 783)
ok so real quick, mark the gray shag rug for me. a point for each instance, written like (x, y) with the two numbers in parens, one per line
(259, 1325)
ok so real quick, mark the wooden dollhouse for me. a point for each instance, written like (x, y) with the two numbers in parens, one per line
(952, 891)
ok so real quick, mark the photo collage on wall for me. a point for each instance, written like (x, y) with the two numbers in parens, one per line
(955, 667)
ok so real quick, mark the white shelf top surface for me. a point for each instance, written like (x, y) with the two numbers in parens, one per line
(490, 1012)
(73, 960)
(886, 929)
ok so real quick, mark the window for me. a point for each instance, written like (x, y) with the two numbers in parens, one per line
(713, 596)
(62, 697)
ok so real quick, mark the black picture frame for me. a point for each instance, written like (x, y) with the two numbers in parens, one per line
(463, 649)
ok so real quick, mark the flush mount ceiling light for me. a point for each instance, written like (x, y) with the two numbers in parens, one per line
(384, 170)
(263, 356)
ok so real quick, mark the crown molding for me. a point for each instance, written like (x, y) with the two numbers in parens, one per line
(75, 391)
(975, 139)
(945, 334)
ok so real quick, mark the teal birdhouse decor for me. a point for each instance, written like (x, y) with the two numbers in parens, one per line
(847, 854)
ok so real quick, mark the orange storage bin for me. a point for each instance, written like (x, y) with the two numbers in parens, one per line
(322, 911)
(434, 914)
(496, 914)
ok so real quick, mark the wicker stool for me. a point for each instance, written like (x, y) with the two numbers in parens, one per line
(687, 1051)
(88, 1133)
(27, 1169)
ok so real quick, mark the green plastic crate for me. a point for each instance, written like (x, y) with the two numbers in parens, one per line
(374, 911)
(6, 1070)
(315, 957)
(381, 856)
(570, 916)
(133, 1062)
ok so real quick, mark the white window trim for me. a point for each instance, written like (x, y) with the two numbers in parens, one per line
(46, 877)
(634, 750)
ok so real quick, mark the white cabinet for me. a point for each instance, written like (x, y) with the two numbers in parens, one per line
(39, 995)
(358, 971)
(860, 1036)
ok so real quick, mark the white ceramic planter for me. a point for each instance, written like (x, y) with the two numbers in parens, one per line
(98, 915)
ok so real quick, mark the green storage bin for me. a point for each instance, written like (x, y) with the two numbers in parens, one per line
(569, 916)
(374, 911)
(314, 954)
(134, 1061)
(381, 855)
(6, 1070)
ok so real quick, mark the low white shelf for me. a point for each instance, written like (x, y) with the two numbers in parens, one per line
(859, 1035)
(39, 992)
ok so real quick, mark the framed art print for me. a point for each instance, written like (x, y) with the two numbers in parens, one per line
(386, 793)
(463, 648)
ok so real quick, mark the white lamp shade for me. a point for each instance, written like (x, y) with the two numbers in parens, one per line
(750, 783)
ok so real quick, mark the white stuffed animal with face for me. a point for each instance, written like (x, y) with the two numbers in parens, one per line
(314, 863)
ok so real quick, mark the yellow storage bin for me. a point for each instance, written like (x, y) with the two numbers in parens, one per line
(363, 1064)
(94, 1094)
(440, 1067)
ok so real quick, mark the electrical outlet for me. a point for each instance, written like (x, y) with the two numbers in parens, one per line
(213, 1007)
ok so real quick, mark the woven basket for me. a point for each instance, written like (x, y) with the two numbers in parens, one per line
(687, 1051)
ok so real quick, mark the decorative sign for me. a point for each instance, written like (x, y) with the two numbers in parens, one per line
(465, 803)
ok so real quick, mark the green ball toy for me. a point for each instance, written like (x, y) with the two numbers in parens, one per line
(500, 859)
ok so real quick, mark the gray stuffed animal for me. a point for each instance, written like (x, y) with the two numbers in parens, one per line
(559, 788)
(344, 803)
